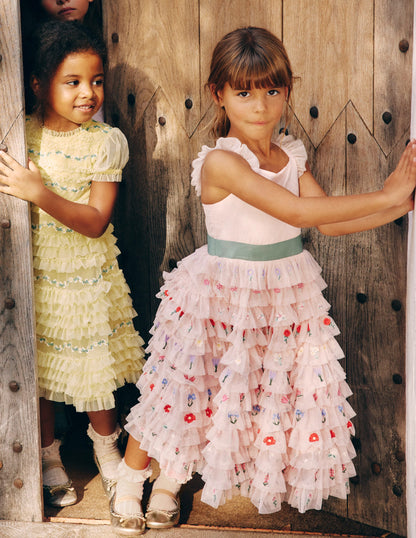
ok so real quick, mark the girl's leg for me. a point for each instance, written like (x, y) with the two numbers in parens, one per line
(125, 507)
(57, 487)
(104, 431)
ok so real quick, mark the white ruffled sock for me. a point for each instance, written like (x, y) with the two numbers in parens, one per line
(53, 471)
(129, 489)
(160, 501)
(106, 451)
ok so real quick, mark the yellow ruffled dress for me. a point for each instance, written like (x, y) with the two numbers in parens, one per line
(86, 342)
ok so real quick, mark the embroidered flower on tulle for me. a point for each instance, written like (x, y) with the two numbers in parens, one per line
(152, 386)
(299, 414)
(349, 424)
(327, 321)
(208, 412)
(269, 441)
(313, 438)
(190, 417)
(332, 433)
(167, 408)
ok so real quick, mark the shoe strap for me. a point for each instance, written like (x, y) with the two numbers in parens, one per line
(161, 491)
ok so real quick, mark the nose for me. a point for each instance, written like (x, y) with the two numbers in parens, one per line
(60, 2)
(86, 90)
(260, 103)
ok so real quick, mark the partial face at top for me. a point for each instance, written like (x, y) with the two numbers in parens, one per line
(253, 113)
(66, 10)
(76, 92)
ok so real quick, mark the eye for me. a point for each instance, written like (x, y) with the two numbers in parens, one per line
(73, 82)
(243, 93)
(98, 82)
(274, 91)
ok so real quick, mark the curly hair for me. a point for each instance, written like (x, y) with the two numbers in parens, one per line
(50, 45)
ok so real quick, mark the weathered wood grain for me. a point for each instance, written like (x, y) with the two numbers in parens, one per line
(375, 343)
(20, 483)
(331, 48)
(392, 71)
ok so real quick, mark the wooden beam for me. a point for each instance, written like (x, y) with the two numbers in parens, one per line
(20, 475)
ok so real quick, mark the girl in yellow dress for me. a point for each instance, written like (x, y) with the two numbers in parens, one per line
(87, 346)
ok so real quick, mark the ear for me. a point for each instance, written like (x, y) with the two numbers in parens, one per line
(34, 84)
(216, 95)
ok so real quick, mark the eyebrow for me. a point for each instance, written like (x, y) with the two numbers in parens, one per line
(69, 75)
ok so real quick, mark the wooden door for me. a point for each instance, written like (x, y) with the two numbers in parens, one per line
(352, 104)
(20, 480)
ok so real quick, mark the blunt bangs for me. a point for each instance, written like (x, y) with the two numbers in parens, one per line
(256, 71)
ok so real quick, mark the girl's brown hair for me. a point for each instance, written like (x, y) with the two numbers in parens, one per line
(245, 58)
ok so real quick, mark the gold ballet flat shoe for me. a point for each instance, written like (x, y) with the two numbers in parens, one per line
(162, 519)
(61, 495)
(109, 484)
(132, 525)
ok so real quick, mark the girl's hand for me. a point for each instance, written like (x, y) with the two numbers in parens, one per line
(16, 180)
(401, 183)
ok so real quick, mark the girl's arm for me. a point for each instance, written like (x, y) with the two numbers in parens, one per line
(88, 219)
(309, 187)
(226, 172)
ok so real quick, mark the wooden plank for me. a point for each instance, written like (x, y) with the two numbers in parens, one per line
(330, 46)
(392, 70)
(20, 478)
(376, 266)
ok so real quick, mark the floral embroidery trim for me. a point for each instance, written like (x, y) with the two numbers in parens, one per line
(83, 349)
(74, 280)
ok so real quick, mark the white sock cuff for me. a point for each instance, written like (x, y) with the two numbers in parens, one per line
(52, 451)
(133, 475)
(103, 439)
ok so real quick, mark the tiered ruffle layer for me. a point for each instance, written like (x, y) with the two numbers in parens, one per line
(243, 383)
(86, 342)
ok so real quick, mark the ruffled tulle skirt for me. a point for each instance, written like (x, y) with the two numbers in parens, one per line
(87, 346)
(243, 383)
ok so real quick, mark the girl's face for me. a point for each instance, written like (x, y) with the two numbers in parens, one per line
(253, 113)
(66, 10)
(76, 91)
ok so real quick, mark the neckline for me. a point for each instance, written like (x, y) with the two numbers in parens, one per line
(276, 141)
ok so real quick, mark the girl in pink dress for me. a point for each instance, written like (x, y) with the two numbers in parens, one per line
(243, 383)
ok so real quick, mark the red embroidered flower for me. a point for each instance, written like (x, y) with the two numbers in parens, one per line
(287, 333)
(192, 379)
(332, 433)
(208, 412)
(349, 424)
(178, 309)
(181, 314)
(269, 440)
(190, 417)
(298, 328)
(212, 322)
(313, 438)
(167, 408)
(224, 326)
(152, 386)
(166, 293)
(327, 321)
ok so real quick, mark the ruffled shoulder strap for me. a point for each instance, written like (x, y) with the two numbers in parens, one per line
(112, 155)
(294, 148)
(229, 144)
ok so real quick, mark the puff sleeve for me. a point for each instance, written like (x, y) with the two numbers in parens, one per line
(112, 157)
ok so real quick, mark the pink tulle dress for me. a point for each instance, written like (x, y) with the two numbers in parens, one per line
(243, 383)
